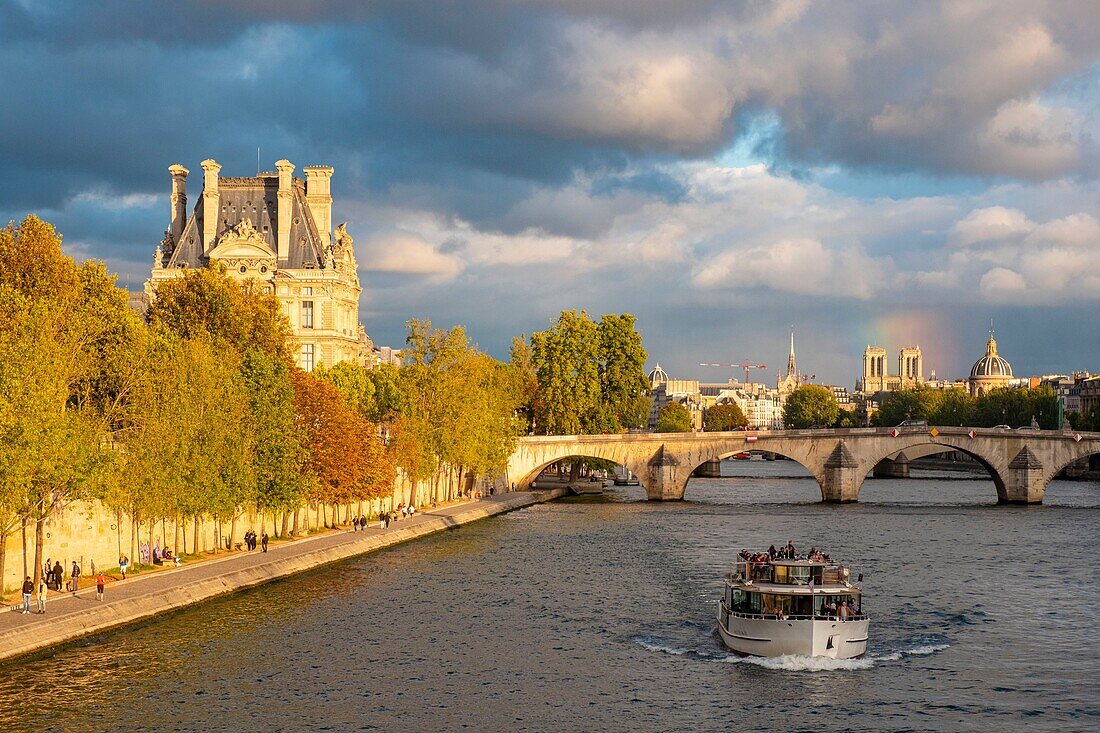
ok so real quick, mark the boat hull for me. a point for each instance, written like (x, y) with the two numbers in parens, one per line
(766, 637)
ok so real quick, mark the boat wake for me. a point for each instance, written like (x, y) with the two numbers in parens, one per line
(793, 663)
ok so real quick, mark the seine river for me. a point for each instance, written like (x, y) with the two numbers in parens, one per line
(597, 614)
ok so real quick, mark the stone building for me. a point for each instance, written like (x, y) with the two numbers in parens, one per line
(989, 372)
(277, 230)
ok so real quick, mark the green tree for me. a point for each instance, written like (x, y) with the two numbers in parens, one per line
(635, 414)
(810, 405)
(955, 408)
(674, 418)
(567, 364)
(917, 403)
(1017, 407)
(279, 453)
(724, 417)
(846, 418)
(622, 370)
(522, 363)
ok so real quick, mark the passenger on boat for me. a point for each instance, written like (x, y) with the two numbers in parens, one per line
(791, 552)
(772, 552)
(843, 612)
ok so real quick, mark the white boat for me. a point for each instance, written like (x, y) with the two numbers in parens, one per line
(809, 608)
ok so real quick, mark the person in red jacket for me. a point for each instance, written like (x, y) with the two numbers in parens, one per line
(99, 583)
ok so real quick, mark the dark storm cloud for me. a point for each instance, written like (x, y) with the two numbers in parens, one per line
(505, 142)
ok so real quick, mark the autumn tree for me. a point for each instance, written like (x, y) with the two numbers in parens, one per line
(464, 401)
(50, 334)
(344, 452)
(206, 302)
(810, 405)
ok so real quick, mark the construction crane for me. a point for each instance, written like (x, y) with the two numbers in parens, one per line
(745, 364)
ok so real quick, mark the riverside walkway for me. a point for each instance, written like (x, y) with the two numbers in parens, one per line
(144, 596)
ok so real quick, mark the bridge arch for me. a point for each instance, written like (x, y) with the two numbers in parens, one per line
(790, 455)
(1084, 450)
(928, 447)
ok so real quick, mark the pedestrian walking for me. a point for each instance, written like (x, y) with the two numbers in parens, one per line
(123, 564)
(263, 541)
(355, 524)
(99, 583)
(42, 586)
(58, 575)
(74, 578)
(363, 523)
(28, 591)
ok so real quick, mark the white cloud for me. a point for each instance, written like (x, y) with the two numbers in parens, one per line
(1002, 284)
(990, 224)
(407, 254)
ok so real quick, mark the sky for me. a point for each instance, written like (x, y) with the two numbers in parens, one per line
(888, 173)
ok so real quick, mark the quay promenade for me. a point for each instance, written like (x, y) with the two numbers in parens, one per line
(143, 596)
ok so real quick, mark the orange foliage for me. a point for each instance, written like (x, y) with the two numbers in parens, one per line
(345, 452)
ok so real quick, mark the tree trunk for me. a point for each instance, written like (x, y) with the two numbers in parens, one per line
(134, 557)
(183, 547)
(196, 552)
(232, 531)
(286, 524)
(39, 541)
(3, 558)
(23, 529)
(294, 530)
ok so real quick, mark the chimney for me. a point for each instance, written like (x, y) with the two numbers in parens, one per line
(285, 205)
(179, 199)
(211, 204)
(319, 198)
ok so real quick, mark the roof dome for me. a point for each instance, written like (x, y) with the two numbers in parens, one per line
(991, 365)
(657, 376)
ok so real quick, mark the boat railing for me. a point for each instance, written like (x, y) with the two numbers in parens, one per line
(796, 575)
(795, 616)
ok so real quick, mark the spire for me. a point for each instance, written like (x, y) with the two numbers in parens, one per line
(991, 345)
(792, 368)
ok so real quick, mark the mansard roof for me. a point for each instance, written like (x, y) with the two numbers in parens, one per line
(256, 199)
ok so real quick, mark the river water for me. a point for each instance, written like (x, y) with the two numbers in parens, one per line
(597, 613)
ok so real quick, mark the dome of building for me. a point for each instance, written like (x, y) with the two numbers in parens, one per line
(992, 364)
(991, 371)
(657, 376)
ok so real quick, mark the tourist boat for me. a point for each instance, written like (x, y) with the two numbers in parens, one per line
(801, 607)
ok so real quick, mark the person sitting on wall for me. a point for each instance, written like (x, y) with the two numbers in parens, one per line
(156, 556)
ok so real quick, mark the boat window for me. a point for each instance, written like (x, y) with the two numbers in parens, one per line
(802, 606)
(798, 575)
(775, 604)
(780, 573)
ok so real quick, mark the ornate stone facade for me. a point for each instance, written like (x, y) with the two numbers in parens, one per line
(277, 230)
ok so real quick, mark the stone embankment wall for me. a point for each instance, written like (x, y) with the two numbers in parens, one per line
(153, 594)
(94, 536)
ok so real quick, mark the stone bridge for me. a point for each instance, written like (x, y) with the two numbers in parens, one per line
(1020, 462)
